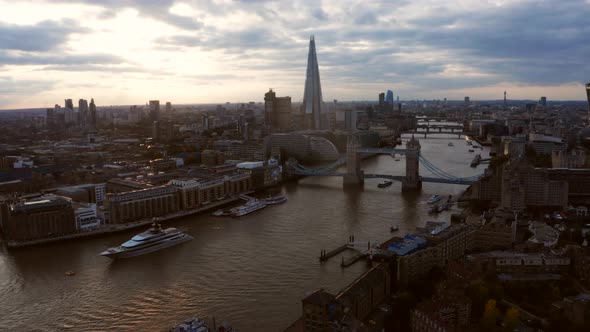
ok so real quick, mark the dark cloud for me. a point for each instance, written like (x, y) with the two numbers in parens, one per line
(29, 58)
(179, 40)
(156, 9)
(44, 36)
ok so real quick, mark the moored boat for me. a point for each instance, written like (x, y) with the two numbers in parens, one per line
(394, 228)
(451, 144)
(249, 207)
(274, 200)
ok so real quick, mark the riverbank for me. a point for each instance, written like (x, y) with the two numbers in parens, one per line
(114, 228)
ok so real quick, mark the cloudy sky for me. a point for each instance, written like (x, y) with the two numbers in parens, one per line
(131, 51)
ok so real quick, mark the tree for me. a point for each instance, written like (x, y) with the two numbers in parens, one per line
(511, 319)
(490, 314)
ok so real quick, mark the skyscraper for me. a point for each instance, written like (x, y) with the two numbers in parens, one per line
(389, 97)
(588, 96)
(312, 96)
(69, 111)
(83, 110)
(155, 110)
(92, 114)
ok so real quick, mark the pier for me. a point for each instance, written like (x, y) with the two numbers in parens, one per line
(324, 256)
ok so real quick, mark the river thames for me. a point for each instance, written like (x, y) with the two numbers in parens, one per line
(252, 271)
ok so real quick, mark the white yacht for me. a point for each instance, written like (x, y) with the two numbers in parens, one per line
(434, 199)
(249, 207)
(153, 239)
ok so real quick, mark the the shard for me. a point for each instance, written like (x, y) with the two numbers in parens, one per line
(312, 96)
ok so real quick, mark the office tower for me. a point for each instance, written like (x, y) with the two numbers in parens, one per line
(92, 119)
(69, 104)
(168, 107)
(543, 101)
(466, 99)
(505, 104)
(205, 121)
(83, 111)
(389, 97)
(588, 96)
(69, 111)
(381, 101)
(154, 110)
(277, 111)
(312, 96)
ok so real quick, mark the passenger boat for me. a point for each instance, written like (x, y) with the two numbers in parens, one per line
(196, 324)
(434, 199)
(153, 239)
(274, 200)
(385, 183)
(249, 207)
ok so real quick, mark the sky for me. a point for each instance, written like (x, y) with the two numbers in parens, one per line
(122, 52)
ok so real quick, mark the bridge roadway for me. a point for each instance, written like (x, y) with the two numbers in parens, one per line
(439, 126)
(394, 177)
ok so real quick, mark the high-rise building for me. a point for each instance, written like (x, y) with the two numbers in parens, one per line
(588, 96)
(389, 97)
(69, 104)
(83, 111)
(466, 99)
(543, 101)
(312, 96)
(155, 110)
(381, 101)
(277, 111)
(205, 121)
(69, 111)
(168, 107)
(92, 114)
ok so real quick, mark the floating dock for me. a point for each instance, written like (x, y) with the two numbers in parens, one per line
(324, 256)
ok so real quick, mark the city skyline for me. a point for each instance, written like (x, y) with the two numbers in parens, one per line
(201, 52)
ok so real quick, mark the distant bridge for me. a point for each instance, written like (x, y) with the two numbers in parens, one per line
(411, 181)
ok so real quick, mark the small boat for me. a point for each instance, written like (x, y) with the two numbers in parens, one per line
(471, 150)
(476, 146)
(385, 183)
(434, 199)
(451, 144)
(70, 273)
(469, 143)
(274, 200)
(397, 159)
(433, 209)
(394, 228)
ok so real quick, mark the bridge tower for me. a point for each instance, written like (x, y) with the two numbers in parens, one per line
(354, 174)
(412, 180)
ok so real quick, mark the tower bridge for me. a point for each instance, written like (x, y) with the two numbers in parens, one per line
(354, 175)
